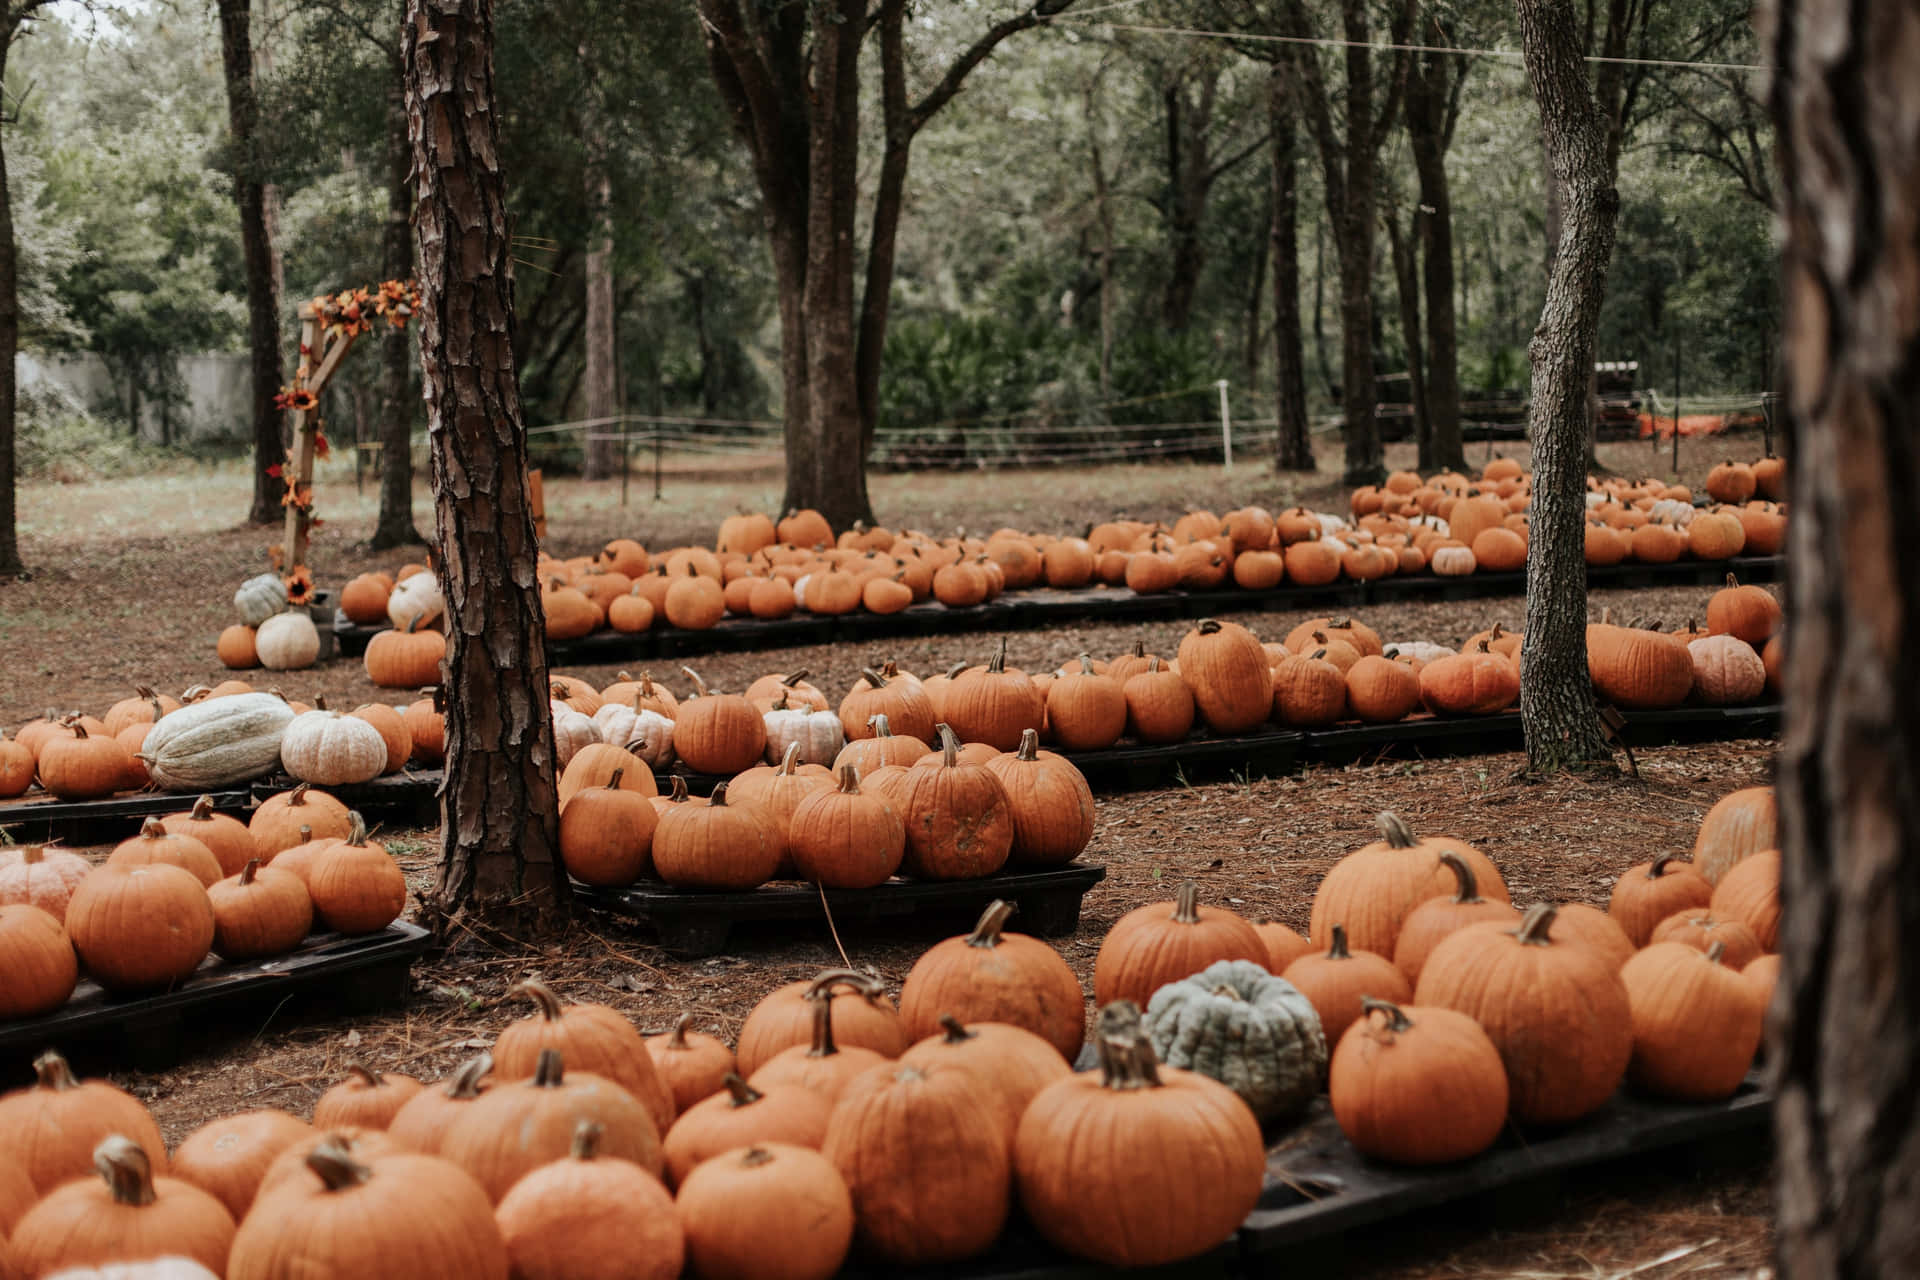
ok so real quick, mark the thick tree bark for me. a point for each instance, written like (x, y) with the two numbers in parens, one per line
(1189, 179)
(603, 454)
(395, 527)
(1293, 447)
(1557, 709)
(13, 15)
(1433, 93)
(1844, 1046)
(500, 862)
(256, 246)
(1103, 218)
(1405, 252)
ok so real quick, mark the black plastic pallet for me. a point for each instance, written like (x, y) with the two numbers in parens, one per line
(410, 798)
(1318, 1186)
(1480, 735)
(1045, 607)
(695, 922)
(151, 1032)
(36, 817)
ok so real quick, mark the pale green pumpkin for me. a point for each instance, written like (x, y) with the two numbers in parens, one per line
(1236, 1023)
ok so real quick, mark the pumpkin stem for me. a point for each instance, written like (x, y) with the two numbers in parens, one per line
(1732, 581)
(368, 1076)
(677, 1038)
(1718, 948)
(1658, 867)
(1086, 665)
(153, 829)
(677, 791)
(699, 685)
(1153, 665)
(949, 745)
(1126, 1058)
(1207, 626)
(1533, 927)
(740, 1092)
(1395, 831)
(849, 779)
(1396, 1018)
(956, 1031)
(992, 921)
(129, 1174)
(1030, 744)
(543, 996)
(356, 829)
(335, 1166)
(793, 680)
(202, 810)
(1337, 949)
(823, 1045)
(873, 678)
(52, 1072)
(852, 979)
(998, 662)
(1186, 903)
(718, 799)
(1482, 646)
(248, 872)
(464, 1084)
(299, 794)
(613, 783)
(789, 757)
(550, 1071)
(586, 1140)
(1468, 890)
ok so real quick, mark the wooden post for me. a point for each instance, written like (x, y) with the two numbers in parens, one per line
(299, 475)
(537, 499)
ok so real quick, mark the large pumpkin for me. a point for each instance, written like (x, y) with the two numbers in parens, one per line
(127, 1215)
(1740, 824)
(37, 961)
(733, 1205)
(224, 835)
(587, 1218)
(515, 1127)
(994, 705)
(263, 911)
(822, 1066)
(1557, 1012)
(1750, 893)
(50, 1130)
(717, 845)
(1638, 670)
(1236, 1023)
(1417, 1085)
(1225, 667)
(1051, 804)
(719, 733)
(993, 976)
(1372, 889)
(692, 1064)
(216, 743)
(784, 1017)
(1180, 1159)
(140, 928)
(1647, 894)
(1435, 918)
(1337, 980)
(959, 826)
(1696, 1022)
(356, 885)
(227, 1157)
(1164, 942)
(843, 838)
(593, 1037)
(740, 1115)
(42, 876)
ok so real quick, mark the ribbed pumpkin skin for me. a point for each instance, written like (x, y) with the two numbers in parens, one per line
(1338, 979)
(85, 1224)
(43, 877)
(994, 706)
(514, 1128)
(1647, 894)
(1557, 1013)
(1594, 929)
(227, 1157)
(276, 823)
(821, 1067)
(1051, 803)
(155, 845)
(924, 1151)
(1225, 667)
(264, 912)
(364, 1100)
(357, 887)
(140, 928)
(692, 1064)
(597, 1218)
(1434, 919)
(415, 1216)
(1477, 683)
(1011, 1061)
(739, 1116)
(1696, 1023)
(993, 976)
(1750, 893)
(842, 838)
(49, 1131)
(1164, 942)
(718, 845)
(38, 961)
(16, 1197)
(1418, 1085)
(592, 1038)
(1700, 930)
(719, 733)
(1308, 691)
(1740, 823)
(1638, 670)
(732, 1205)
(1160, 707)
(422, 1123)
(606, 835)
(1140, 1201)
(1380, 691)
(959, 826)
(1236, 1023)
(784, 1017)
(225, 836)
(1086, 710)
(1372, 889)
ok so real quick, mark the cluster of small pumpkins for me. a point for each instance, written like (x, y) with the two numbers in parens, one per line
(577, 1149)
(1418, 979)
(272, 631)
(213, 737)
(190, 884)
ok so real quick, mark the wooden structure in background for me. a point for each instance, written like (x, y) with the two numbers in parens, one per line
(329, 346)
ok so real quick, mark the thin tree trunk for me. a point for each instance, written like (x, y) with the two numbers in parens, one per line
(256, 245)
(500, 862)
(1844, 1045)
(1557, 709)
(1428, 109)
(9, 329)
(1406, 275)
(1256, 299)
(395, 527)
(1320, 307)
(1103, 214)
(1189, 180)
(1293, 447)
(602, 451)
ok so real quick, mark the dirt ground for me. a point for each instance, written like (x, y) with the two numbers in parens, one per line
(105, 608)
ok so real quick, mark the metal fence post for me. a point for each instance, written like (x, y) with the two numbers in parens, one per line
(1226, 425)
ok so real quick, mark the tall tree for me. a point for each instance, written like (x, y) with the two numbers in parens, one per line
(1845, 1042)
(1557, 710)
(500, 858)
(16, 14)
(789, 74)
(600, 375)
(1191, 114)
(1434, 84)
(256, 244)
(1293, 447)
(397, 405)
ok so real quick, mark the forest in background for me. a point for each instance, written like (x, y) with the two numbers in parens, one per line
(1083, 129)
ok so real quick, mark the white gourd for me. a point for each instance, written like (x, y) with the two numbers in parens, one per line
(644, 733)
(1673, 511)
(217, 743)
(572, 730)
(287, 641)
(418, 600)
(259, 598)
(331, 749)
(819, 734)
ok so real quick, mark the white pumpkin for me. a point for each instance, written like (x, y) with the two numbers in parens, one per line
(800, 590)
(1673, 511)
(418, 600)
(149, 1269)
(259, 598)
(1453, 562)
(1329, 524)
(287, 641)
(217, 743)
(331, 748)
(572, 730)
(1422, 651)
(644, 733)
(818, 734)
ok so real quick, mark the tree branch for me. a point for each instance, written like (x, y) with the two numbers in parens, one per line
(976, 53)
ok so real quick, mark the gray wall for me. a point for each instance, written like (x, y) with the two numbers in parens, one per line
(216, 392)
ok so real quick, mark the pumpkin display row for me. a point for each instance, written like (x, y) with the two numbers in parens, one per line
(189, 885)
(579, 1149)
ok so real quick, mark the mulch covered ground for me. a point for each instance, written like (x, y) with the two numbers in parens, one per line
(103, 611)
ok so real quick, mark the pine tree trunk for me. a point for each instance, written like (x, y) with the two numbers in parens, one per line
(1433, 223)
(500, 862)
(395, 527)
(1844, 1047)
(1557, 709)
(602, 451)
(9, 336)
(256, 246)
(1293, 447)
(1406, 275)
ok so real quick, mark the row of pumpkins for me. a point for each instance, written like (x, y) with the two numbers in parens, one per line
(579, 1149)
(215, 737)
(189, 885)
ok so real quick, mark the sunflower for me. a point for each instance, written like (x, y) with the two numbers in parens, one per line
(321, 449)
(299, 399)
(299, 585)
